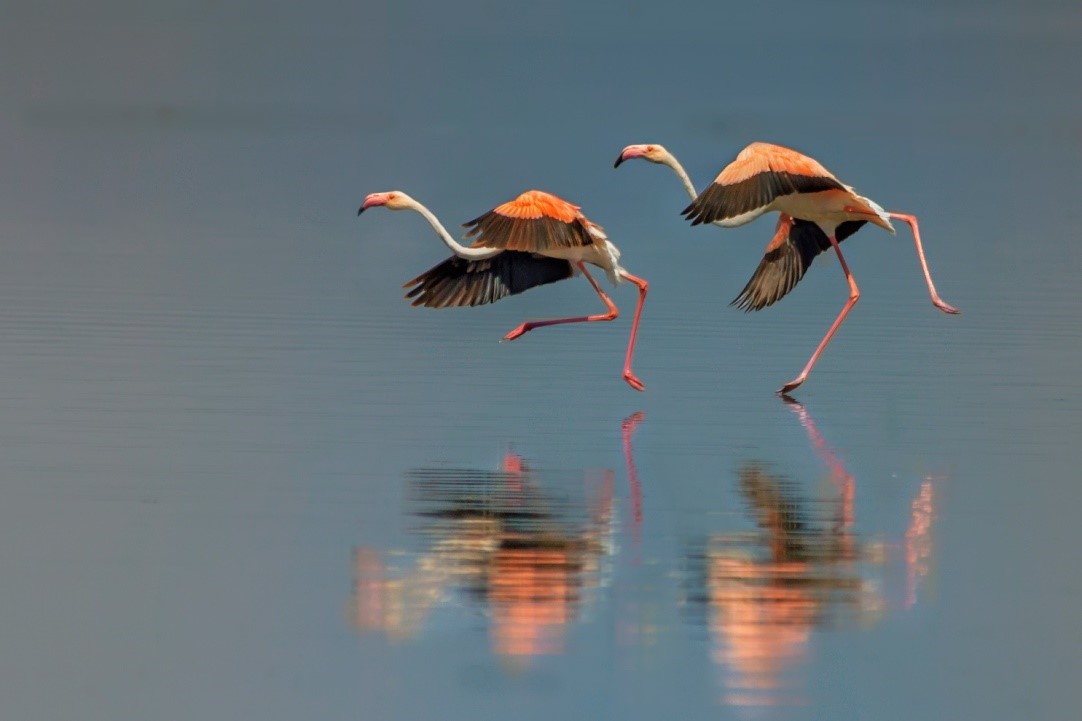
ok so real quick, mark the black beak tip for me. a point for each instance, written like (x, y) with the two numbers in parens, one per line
(618, 161)
(360, 210)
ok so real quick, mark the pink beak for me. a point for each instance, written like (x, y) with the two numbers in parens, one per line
(371, 201)
(631, 151)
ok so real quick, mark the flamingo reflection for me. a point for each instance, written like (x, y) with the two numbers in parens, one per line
(532, 558)
(803, 568)
(918, 541)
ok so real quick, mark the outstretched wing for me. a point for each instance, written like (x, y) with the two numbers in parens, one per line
(779, 510)
(787, 259)
(533, 222)
(460, 282)
(761, 173)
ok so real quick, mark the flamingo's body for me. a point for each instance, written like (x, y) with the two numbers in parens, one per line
(767, 177)
(816, 212)
(533, 240)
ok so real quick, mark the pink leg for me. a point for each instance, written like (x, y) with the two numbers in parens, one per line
(631, 378)
(514, 466)
(936, 300)
(842, 479)
(854, 296)
(627, 428)
(918, 541)
(611, 315)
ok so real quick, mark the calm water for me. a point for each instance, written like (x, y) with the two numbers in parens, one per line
(242, 478)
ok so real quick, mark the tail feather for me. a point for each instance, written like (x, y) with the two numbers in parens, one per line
(883, 219)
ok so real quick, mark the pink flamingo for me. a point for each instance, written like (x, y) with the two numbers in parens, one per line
(816, 212)
(532, 240)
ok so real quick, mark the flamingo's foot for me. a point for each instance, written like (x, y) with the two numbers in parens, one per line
(791, 385)
(633, 381)
(629, 423)
(516, 333)
(945, 307)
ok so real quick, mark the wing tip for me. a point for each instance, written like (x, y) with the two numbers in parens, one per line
(694, 213)
(747, 303)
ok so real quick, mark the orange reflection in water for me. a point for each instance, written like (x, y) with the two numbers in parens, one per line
(501, 540)
(805, 568)
(532, 593)
(761, 627)
(766, 592)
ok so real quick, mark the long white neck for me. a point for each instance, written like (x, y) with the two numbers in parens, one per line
(670, 160)
(457, 248)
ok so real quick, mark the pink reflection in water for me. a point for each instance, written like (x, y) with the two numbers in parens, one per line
(500, 539)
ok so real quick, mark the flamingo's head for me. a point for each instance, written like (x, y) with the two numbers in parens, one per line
(391, 199)
(651, 151)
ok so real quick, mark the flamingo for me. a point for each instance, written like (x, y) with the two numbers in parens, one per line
(533, 240)
(816, 212)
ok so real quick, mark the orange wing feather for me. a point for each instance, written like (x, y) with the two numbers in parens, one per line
(533, 222)
(765, 157)
(535, 204)
(761, 173)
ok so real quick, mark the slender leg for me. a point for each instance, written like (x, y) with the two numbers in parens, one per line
(627, 428)
(936, 300)
(843, 480)
(630, 377)
(918, 541)
(841, 476)
(854, 296)
(611, 315)
(514, 466)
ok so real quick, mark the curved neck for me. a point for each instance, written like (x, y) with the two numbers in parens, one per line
(457, 248)
(670, 160)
